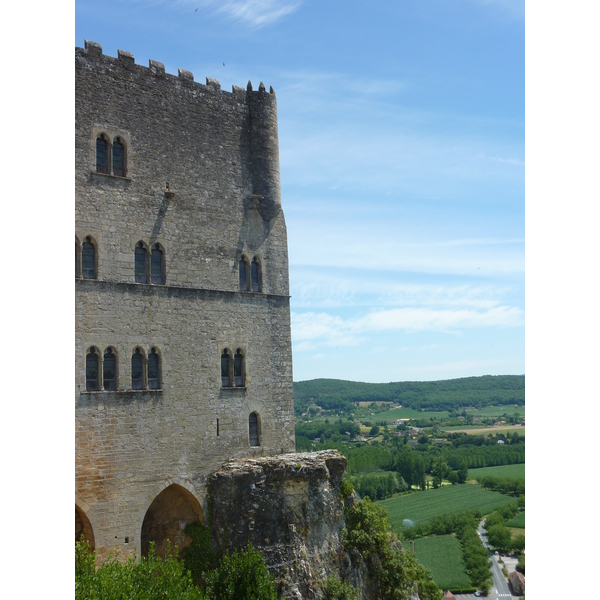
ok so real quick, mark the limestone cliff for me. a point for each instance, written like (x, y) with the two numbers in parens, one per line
(291, 509)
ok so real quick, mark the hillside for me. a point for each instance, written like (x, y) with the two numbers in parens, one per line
(448, 394)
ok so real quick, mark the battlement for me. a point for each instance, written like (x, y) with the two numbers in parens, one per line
(93, 51)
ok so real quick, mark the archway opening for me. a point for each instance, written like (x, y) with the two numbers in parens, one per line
(83, 527)
(167, 517)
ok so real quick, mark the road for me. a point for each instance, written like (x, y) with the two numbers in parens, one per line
(500, 589)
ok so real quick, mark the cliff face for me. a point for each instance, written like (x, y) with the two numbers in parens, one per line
(291, 509)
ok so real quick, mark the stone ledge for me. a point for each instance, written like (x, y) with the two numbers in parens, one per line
(109, 176)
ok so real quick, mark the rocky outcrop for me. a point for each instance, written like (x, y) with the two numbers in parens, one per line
(291, 509)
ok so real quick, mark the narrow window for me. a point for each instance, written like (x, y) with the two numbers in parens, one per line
(156, 265)
(118, 156)
(91, 371)
(137, 370)
(255, 276)
(253, 429)
(109, 371)
(101, 155)
(238, 378)
(225, 369)
(88, 260)
(243, 276)
(217, 427)
(141, 272)
(153, 382)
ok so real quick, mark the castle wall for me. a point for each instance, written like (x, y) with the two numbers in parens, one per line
(218, 151)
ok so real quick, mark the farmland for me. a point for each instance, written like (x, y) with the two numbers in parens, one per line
(502, 472)
(517, 521)
(442, 554)
(421, 506)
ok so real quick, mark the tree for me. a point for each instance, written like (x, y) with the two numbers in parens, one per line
(374, 430)
(439, 468)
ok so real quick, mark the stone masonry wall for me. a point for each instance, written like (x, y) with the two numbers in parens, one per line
(218, 151)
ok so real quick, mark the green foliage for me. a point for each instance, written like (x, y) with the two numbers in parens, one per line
(396, 572)
(517, 521)
(374, 430)
(514, 487)
(150, 578)
(241, 576)
(199, 557)
(521, 564)
(378, 486)
(499, 537)
(346, 488)
(334, 589)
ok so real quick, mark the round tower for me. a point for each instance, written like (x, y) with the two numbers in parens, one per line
(264, 150)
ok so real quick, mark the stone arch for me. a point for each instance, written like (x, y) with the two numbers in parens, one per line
(84, 527)
(166, 518)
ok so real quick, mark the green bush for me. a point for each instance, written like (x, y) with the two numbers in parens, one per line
(396, 572)
(241, 576)
(334, 589)
(150, 578)
(199, 558)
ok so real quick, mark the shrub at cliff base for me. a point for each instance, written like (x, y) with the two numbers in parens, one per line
(241, 576)
(334, 589)
(150, 578)
(397, 573)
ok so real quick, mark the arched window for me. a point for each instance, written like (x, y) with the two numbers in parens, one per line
(109, 371)
(243, 275)
(153, 379)
(253, 430)
(101, 155)
(156, 265)
(225, 363)
(141, 267)
(91, 371)
(118, 158)
(255, 276)
(238, 370)
(137, 370)
(88, 259)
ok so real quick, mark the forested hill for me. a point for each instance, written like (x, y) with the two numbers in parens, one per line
(449, 394)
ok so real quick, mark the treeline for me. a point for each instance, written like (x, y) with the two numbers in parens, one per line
(464, 526)
(450, 394)
(514, 487)
(378, 487)
(499, 535)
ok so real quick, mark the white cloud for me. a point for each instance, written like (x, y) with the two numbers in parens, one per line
(336, 331)
(257, 13)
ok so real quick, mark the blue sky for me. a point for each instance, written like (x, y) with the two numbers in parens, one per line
(402, 149)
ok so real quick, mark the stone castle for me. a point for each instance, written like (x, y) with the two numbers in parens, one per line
(183, 349)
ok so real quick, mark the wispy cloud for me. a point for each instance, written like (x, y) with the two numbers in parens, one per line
(257, 13)
(335, 331)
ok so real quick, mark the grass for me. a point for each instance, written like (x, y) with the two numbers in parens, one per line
(517, 521)
(503, 472)
(421, 506)
(443, 556)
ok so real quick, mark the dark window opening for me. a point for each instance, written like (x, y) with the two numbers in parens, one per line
(101, 155)
(217, 427)
(153, 370)
(238, 377)
(88, 260)
(255, 276)
(76, 259)
(109, 371)
(253, 430)
(91, 371)
(225, 369)
(243, 276)
(141, 274)
(156, 265)
(137, 370)
(118, 153)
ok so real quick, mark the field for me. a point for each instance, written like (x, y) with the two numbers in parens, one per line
(420, 506)
(477, 429)
(517, 521)
(503, 472)
(443, 556)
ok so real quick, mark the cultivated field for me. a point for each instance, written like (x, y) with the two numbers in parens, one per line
(503, 472)
(420, 506)
(474, 430)
(517, 521)
(443, 556)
